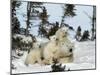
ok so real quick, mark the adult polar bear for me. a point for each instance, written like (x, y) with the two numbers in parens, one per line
(65, 45)
(60, 48)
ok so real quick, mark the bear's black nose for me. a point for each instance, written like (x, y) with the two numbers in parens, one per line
(71, 50)
(39, 46)
(65, 32)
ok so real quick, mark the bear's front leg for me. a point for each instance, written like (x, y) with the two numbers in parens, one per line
(66, 59)
(51, 60)
(48, 61)
(45, 61)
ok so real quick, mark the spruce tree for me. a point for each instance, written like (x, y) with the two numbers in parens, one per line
(85, 36)
(43, 16)
(68, 12)
(31, 7)
(53, 29)
(15, 25)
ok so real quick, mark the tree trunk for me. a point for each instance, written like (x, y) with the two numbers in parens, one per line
(62, 21)
(28, 18)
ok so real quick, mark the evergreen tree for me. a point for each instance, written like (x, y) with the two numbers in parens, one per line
(93, 23)
(85, 36)
(31, 7)
(15, 26)
(43, 16)
(53, 29)
(68, 12)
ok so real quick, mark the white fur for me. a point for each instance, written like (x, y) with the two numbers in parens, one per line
(50, 49)
(64, 46)
(62, 32)
(57, 48)
(34, 55)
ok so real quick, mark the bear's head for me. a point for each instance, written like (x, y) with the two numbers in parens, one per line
(67, 48)
(54, 39)
(37, 45)
(62, 33)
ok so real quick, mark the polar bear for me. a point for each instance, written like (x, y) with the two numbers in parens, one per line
(62, 33)
(66, 47)
(34, 55)
(66, 52)
(50, 49)
(59, 47)
(34, 45)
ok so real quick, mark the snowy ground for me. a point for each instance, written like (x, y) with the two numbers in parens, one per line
(84, 58)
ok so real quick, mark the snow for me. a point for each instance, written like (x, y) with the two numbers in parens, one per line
(25, 39)
(84, 58)
(42, 40)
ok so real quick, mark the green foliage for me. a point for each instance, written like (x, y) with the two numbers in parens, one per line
(43, 32)
(68, 12)
(14, 5)
(85, 36)
(18, 43)
(31, 7)
(15, 22)
(43, 16)
(42, 28)
(53, 29)
(15, 25)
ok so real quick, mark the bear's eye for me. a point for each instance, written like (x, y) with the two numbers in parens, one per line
(70, 50)
(56, 39)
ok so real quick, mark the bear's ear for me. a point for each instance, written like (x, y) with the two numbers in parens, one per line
(52, 38)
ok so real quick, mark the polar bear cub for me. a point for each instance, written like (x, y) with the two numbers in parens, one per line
(50, 49)
(34, 55)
